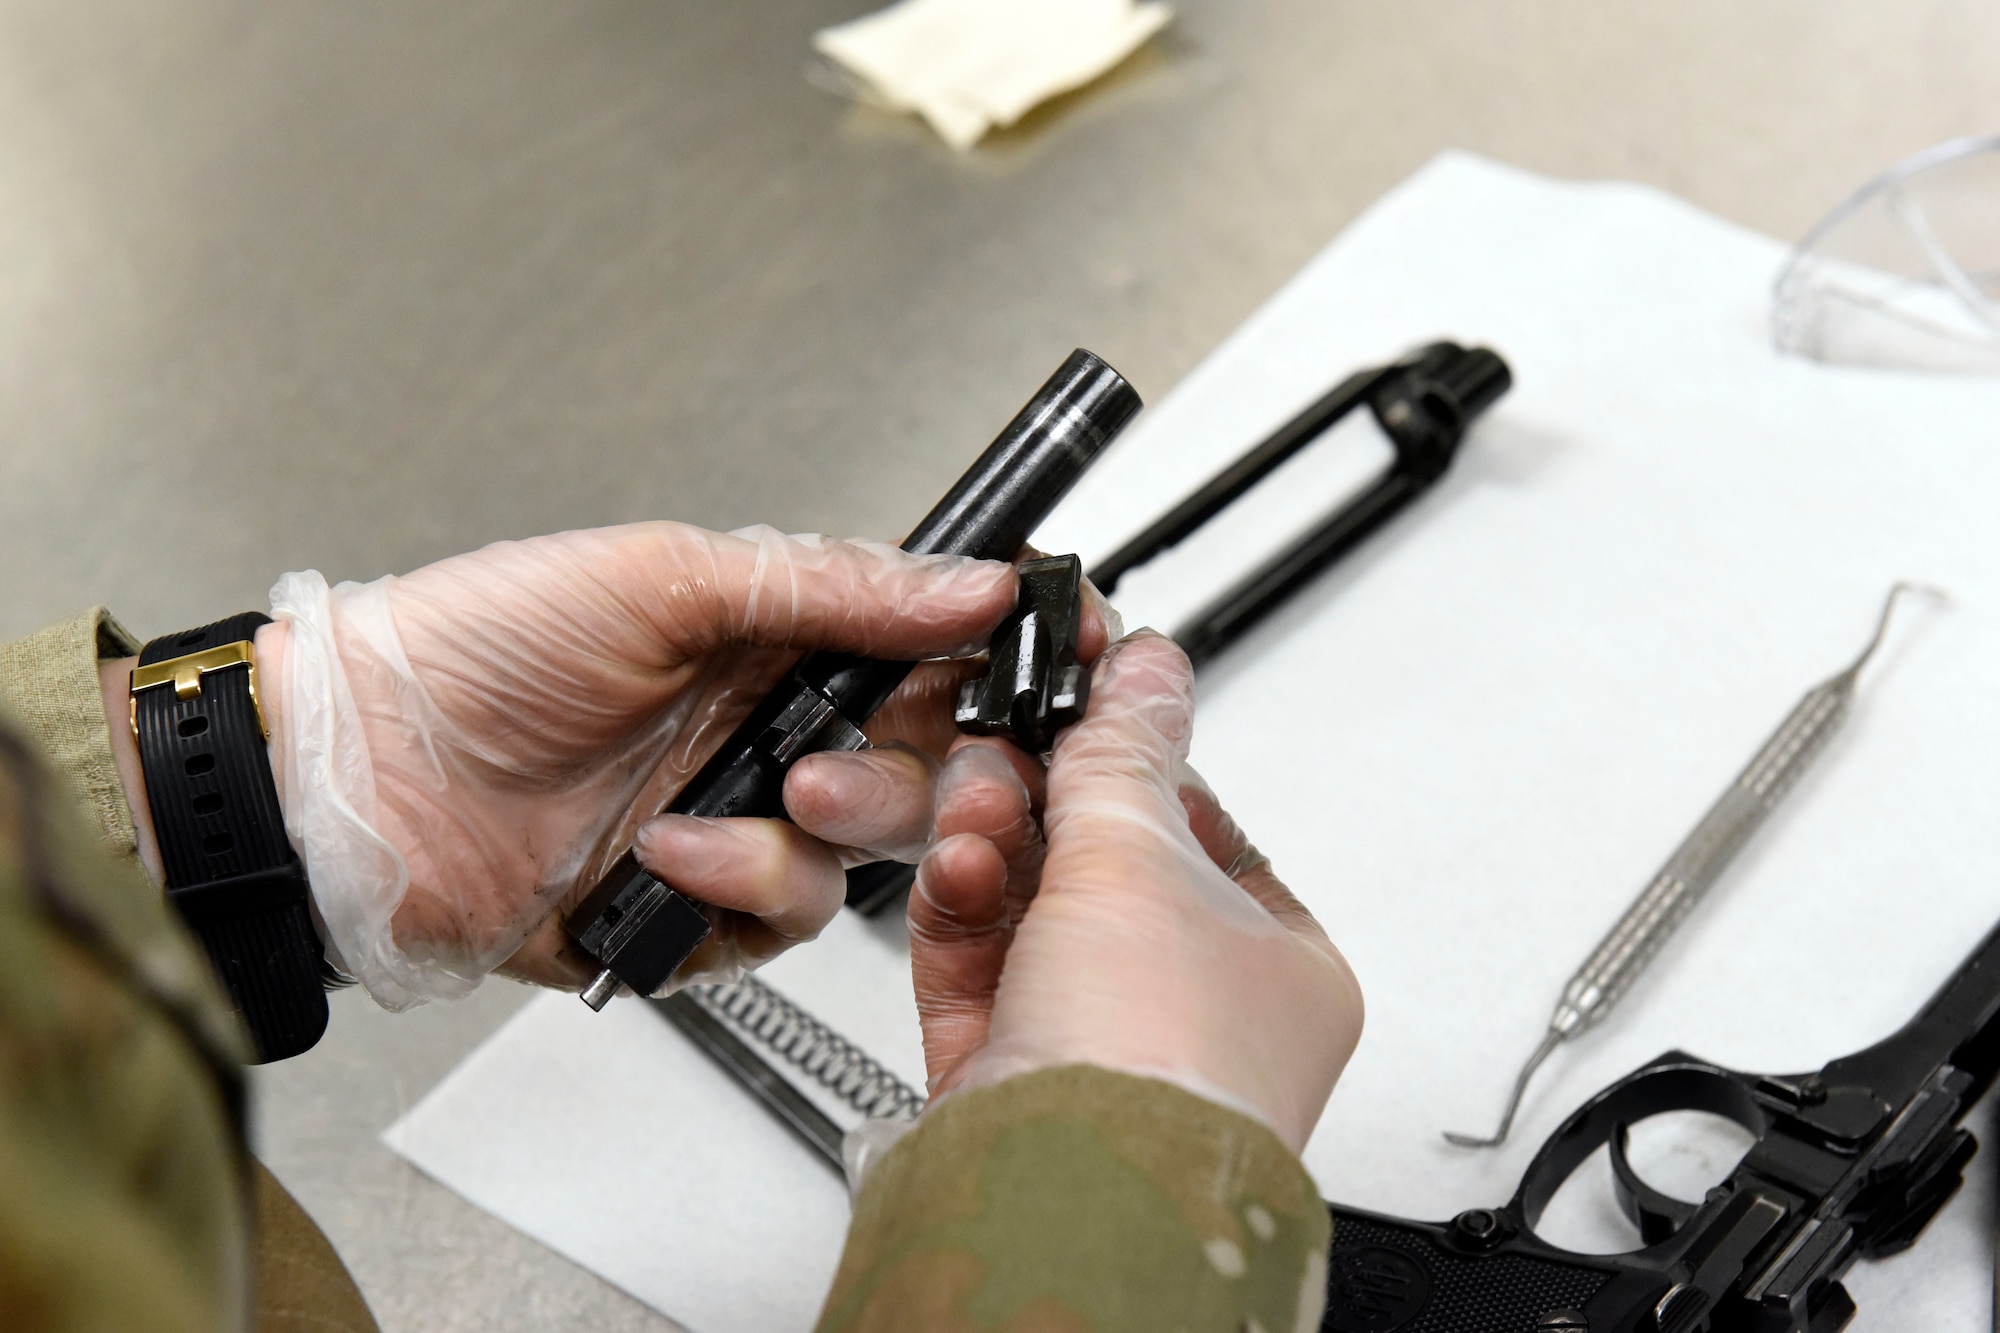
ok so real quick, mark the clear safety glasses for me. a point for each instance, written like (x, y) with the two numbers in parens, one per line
(1906, 273)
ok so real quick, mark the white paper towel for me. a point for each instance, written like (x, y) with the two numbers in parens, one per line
(1466, 748)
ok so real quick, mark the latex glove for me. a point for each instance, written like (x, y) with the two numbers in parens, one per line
(1145, 934)
(463, 750)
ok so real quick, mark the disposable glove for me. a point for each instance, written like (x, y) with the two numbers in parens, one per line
(462, 751)
(1112, 913)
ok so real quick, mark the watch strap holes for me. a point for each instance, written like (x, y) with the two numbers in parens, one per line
(199, 763)
(208, 803)
(193, 726)
(215, 844)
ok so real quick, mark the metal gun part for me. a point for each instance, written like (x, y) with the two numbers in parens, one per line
(1424, 403)
(1033, 686)
(1849, 1162)
(636, 927)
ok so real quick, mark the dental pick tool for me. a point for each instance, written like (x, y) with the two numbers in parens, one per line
(1695, 866)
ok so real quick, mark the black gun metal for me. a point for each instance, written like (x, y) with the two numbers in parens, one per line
(813, 1126)
(1424, 403)
(1033, 686)
(873, 888)
(1032, 689)
(1850, 1162)
(639, 929)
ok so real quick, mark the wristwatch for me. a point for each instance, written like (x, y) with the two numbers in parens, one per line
(230, 870)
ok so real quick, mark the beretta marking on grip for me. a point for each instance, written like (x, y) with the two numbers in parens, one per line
(1374, 1289)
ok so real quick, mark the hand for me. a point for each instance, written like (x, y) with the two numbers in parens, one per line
(1145, 934)
(527, 709)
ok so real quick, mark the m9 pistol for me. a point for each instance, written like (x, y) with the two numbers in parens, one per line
(1850, 1162)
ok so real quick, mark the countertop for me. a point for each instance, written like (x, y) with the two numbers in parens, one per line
(357, 286)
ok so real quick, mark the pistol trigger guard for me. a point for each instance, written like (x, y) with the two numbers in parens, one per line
(1657, 1215)
(1675, 1081)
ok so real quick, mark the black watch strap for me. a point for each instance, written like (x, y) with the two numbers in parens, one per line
(230, 869)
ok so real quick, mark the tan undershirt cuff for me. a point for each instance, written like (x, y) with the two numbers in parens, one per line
(49, 680)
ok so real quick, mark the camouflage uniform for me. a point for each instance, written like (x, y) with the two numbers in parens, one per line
(125, 1191)
(1071, 1199)
(1077, 1200)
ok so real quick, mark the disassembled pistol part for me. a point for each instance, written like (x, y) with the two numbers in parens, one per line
(873, 887)
(1851, 1162)
(1033, 686)
(1695, 866)
(754, 1074)
(637, 928)
(1424, 403)
(755, 1033)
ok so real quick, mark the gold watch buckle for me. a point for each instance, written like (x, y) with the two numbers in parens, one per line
(185, 673)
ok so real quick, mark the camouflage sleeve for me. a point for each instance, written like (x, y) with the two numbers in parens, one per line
(1077, 1200)
(122, 1178)
(122, 1181)
(49, 680)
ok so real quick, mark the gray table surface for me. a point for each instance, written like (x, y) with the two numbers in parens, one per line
(354, 286)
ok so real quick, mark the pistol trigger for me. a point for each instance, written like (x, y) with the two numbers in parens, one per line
(1656, 1214)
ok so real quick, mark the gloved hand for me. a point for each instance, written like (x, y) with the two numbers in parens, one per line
(462, 751)
(1145, 934)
